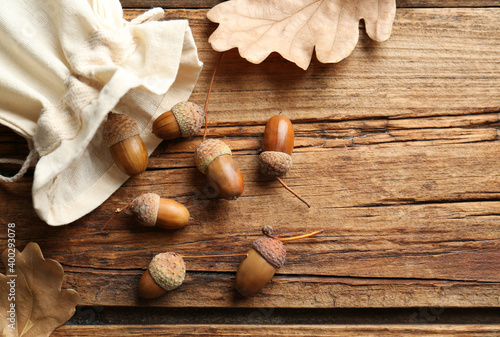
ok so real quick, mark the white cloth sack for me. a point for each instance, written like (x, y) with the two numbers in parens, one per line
(64, 65)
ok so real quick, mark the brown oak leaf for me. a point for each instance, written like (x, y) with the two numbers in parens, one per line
(293, 28)
(40, 304)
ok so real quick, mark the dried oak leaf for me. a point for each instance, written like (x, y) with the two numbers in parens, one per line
(294, 27)
(41, 306)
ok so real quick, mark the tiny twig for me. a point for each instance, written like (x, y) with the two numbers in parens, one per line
(292, 191)
(303, 236)
(203, 256)
(117, 211)
(208, 96)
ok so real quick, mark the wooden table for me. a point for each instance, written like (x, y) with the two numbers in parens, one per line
(396, 149)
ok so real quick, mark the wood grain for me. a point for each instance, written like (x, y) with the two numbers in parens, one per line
(279, 330)
(396, 149)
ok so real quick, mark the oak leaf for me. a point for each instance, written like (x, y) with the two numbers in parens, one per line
(294, 27)
(40, 304)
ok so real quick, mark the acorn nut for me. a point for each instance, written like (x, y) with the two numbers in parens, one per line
(151, 210)
(213, 158)
(165, 273)
(183, 120)
(121, 135)
(278, 135)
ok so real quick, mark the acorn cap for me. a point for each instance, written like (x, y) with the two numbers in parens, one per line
(274, 163)
(272, 250)
(208, 151)
(168, 270)
(146, 207)
(190, 117)
(119, 127)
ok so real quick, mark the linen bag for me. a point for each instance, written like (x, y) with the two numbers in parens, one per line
(64, 65)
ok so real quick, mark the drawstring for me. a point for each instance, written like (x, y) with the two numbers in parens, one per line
(154, 14)
(25, 164)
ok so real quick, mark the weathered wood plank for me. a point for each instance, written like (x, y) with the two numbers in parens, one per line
(433, 57)
(279, 330)
(211, 3)
(208, 289)
(417, 209)
(459, 129)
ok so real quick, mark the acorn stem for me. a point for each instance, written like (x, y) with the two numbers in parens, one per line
(298, 237)
(117, 211)
(208, 96)
(203, 256)
(292, 191)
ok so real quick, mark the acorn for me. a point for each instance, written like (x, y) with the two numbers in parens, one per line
(165, 273)
(151, 210)
(121, 135)
(277, 146)
(214, 158)
(266, 256)
(185, 119)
